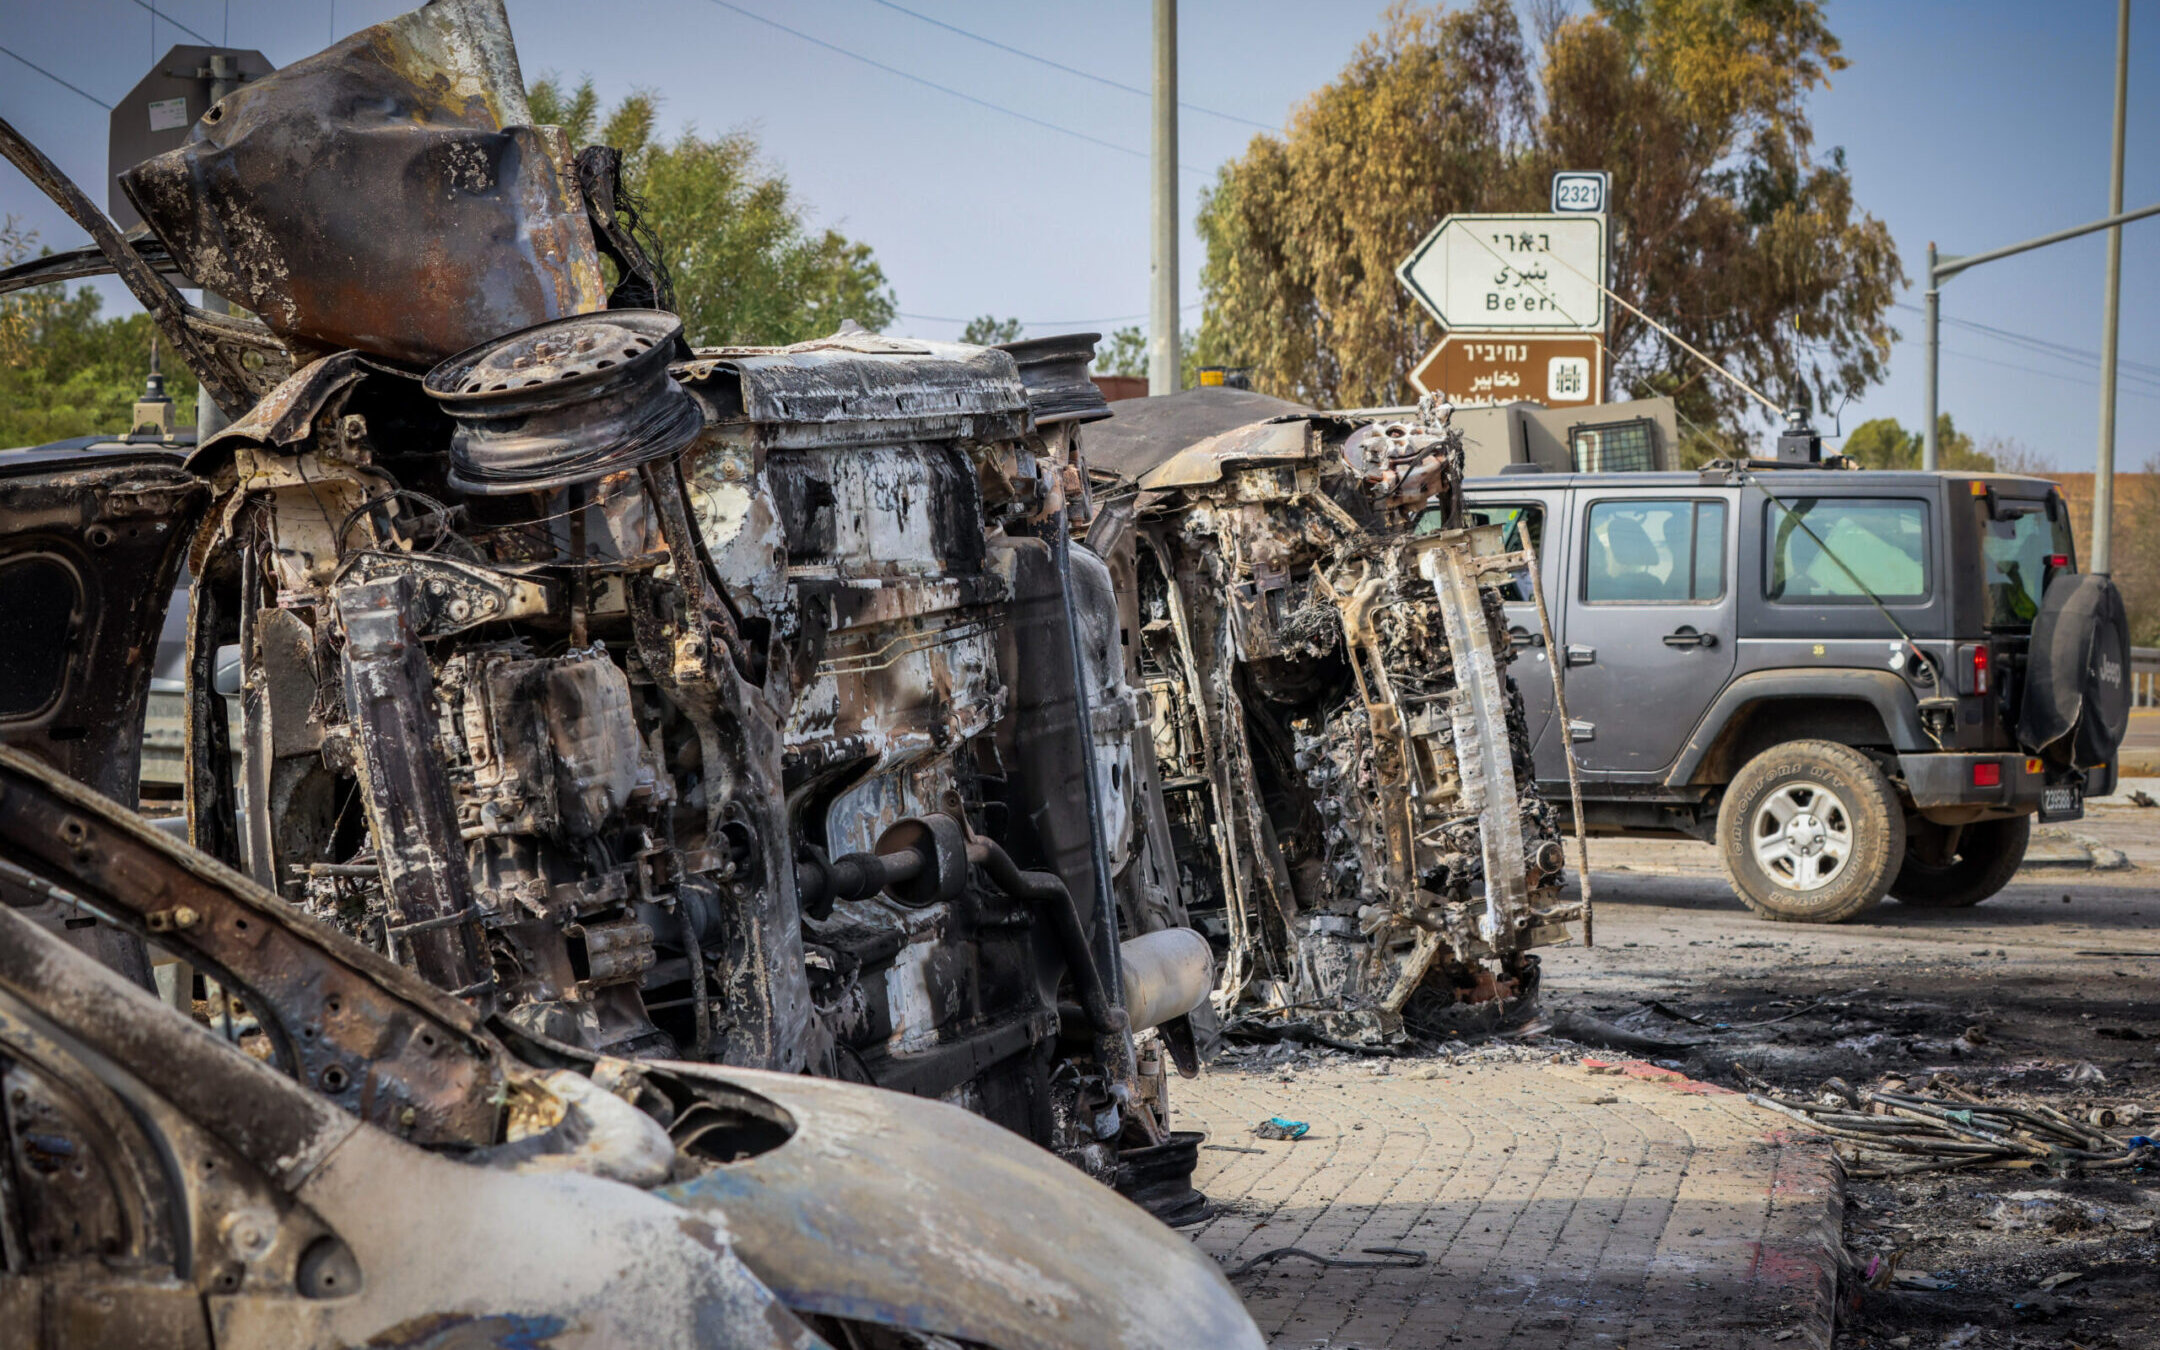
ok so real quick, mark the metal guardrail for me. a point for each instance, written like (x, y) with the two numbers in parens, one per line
(2145, 677)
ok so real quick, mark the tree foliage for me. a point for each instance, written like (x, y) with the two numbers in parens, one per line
(1724, 225)
(747, 265)
(64, 370)
(1125, 352)
(988, 330)
(1884, 444)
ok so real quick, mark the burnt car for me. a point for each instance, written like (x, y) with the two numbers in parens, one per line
(749, 706)
(168, 1185)
(1354, 812)
(626, 705)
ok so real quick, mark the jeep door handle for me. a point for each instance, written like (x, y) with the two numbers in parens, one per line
(1523, 637)
(1579, 655)
(1686, 636)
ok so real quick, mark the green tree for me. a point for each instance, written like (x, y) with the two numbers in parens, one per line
(1125, 352)
(1723, 224)
(65, 371)
(1883, 444)
(987, 330)
(748, 267)
(1122, 353)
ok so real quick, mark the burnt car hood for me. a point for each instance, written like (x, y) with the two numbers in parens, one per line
(90, 545)
(901, 1210)
(879, 1206)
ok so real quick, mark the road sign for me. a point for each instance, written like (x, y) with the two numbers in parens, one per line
(159, 113)
(1580, 191)
(1533, 273)
(1558, 370)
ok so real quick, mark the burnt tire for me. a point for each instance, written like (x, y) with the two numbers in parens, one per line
(1811, 832)
(1988, 855)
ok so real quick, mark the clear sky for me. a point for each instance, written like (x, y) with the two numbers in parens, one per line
(1974, 124)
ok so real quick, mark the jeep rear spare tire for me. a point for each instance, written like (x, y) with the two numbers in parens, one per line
(2077, 674)
(1811, 832)
(1983, 860)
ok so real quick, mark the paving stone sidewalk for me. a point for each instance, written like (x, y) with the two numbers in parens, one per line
(1584, 1204)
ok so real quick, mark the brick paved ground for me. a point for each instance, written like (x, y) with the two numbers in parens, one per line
(1560, 1205)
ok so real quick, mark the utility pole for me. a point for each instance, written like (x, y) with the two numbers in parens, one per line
(1164, 366)
(2103, 524)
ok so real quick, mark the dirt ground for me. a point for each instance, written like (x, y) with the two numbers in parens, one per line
(2050, 990)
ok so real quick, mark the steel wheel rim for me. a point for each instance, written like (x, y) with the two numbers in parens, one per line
(1802, 836)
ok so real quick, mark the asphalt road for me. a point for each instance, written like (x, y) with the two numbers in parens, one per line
(2141, 747)
(2051, 990)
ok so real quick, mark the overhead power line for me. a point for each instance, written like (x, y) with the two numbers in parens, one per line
(1041, 323)
(912, 78)
(2132, 388)
(1069, 70)
(144, 4)
(2042, 346)
(55, 78)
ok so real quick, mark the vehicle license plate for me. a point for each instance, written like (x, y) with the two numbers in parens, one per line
(2066, 802)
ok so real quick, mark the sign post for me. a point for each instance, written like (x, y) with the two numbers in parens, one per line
(1558, 370)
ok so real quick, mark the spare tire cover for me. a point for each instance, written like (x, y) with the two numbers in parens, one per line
(2077, 674)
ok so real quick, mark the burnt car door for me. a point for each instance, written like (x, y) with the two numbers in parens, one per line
(168, 1189)
(1650, 626)
(90, 545)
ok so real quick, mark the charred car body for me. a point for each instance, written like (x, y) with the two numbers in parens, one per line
(1345, 764)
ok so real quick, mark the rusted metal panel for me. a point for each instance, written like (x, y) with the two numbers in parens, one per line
(387, 195)
(365, 1033)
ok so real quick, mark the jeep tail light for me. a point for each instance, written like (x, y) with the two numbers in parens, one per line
(1987, 773)
(1974, 657)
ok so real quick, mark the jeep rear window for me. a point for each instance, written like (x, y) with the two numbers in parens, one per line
(1833, 549)
(1659, 553)
(2016, 548)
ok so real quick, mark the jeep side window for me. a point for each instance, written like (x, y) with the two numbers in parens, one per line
(1643, 552)
(1865, 544)
(1514, 519)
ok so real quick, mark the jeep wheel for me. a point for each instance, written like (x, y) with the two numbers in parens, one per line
(1988, 855)
(1811, 832)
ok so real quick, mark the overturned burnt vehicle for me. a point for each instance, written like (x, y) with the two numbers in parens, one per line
(1353, 811)
(654, 714)
(164, 1186)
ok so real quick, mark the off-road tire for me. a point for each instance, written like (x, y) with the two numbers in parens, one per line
(1864, 800)
(1989, 854)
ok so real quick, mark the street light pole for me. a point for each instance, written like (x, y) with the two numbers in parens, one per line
(1930, 452)
(1941, 269)
(2103, 524)
(1164, 374)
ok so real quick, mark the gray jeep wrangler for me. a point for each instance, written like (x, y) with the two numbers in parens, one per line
(1853, 683)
